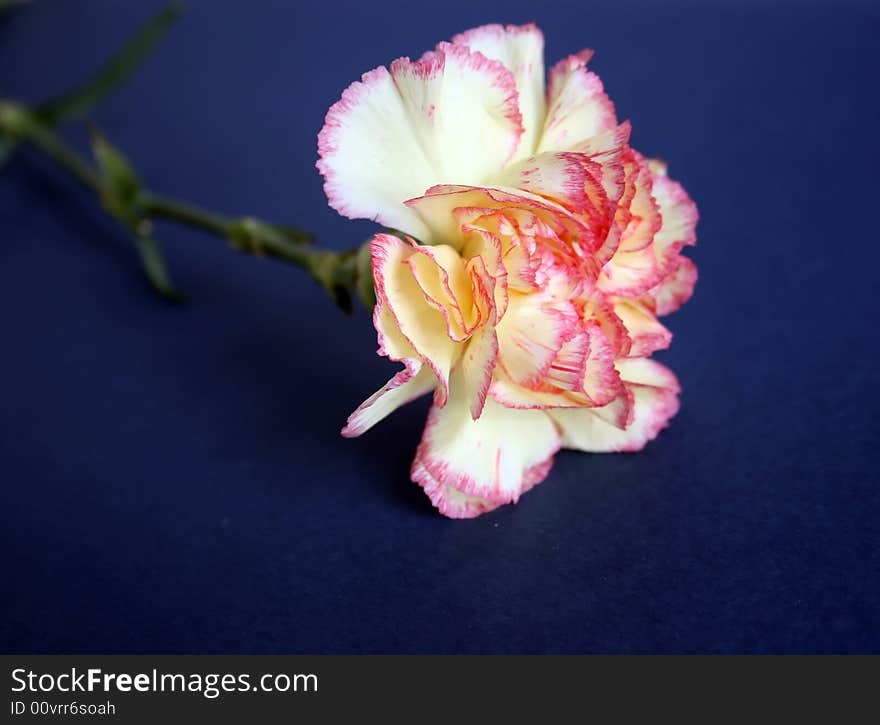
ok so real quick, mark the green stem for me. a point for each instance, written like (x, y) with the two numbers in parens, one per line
(335, 271)
(184, 213)
(16, 121)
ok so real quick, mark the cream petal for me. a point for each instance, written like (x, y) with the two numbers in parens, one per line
(675, 288)
(644, 330)
(653, 396)
(418, 321)
(531, 334)
(404, 387)
(448, 500)
(679, 220)
(570, 179)
(477, 366)
(451, 117)
(520, 48)
(577, 106)
(581, 374)
(446, 284)
(469, 466)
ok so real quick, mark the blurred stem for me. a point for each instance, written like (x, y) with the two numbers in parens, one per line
(187, 214)
(18, 123)
(335, 271)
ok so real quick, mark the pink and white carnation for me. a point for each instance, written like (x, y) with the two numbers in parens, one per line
(536, 252)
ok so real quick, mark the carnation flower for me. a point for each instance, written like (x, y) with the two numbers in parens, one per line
(533, 251)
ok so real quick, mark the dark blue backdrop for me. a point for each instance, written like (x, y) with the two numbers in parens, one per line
(173, 479)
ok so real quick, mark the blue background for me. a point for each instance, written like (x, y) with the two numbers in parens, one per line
(173, 479)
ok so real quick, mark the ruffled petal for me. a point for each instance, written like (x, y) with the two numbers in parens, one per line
(676, 287)
(651, 395)
(570, 179)
(610, 150)
(404, 387)
(520, 48)
(451, 117)
(660, 219)
(471, 466)
(577, 106)
(644, 330)
(518, 397)
(410, 383)
(581, 374)
(420, 323)
(448, 500)
(443, 278)
(588, 183)
(637, 264)
(531, 335)
(599, 310)
(477, 366)
(552, 233)
(679, 215)
(649, 373)
(601, 381)
(445, 208)
(484, 253)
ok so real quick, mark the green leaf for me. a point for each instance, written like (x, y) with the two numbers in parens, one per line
(153, 264)
(81, 100)
(119, 184)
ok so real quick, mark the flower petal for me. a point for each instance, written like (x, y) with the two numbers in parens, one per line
(450, 117)
(520, 48)
(601, 381)
(647, 372)
(588, 183)
(661, 220)
(676, 288)
(679, 214)
(406, 386)
(419, 322)
(531, 334)
(636, 265)
(577, 106)
(653, 391)
(470, 466)
(410, 383)
(570, 179)
(477, 365)
(441, 274)
(438, 209)
(581, 374)
(644, 330)
(449, 500)
(485, 263)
